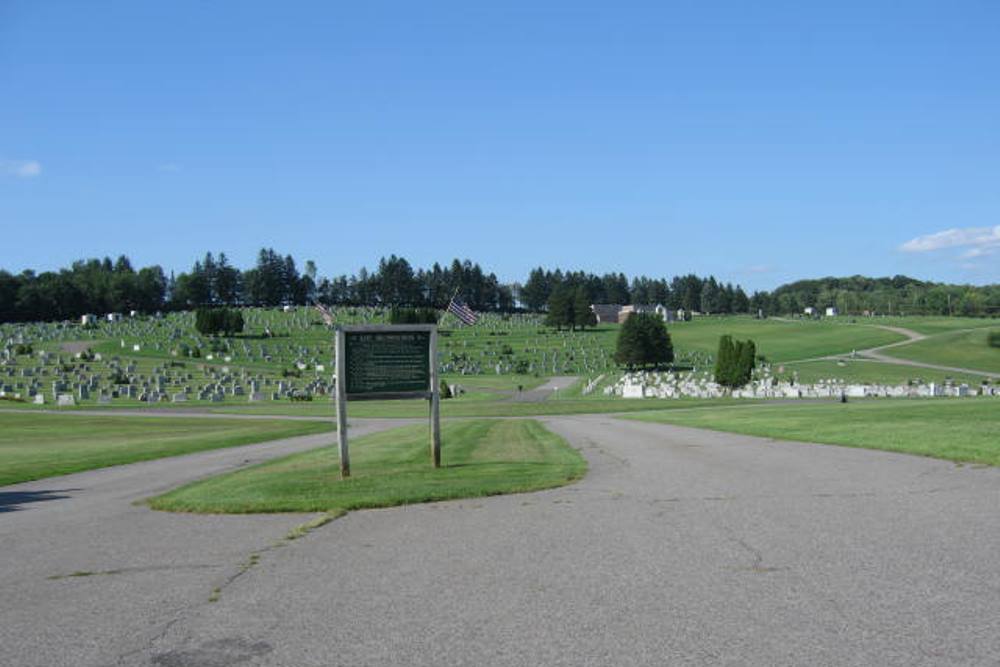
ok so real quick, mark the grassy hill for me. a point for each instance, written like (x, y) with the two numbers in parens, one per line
(781, 339)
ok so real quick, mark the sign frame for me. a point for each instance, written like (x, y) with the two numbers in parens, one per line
(432, 393)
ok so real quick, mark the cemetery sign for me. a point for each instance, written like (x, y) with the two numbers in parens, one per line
(386, 362)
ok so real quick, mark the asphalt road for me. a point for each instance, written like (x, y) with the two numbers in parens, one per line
(544, 391)
(680, 547)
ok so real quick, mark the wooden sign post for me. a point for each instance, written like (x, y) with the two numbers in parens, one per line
(387, 362)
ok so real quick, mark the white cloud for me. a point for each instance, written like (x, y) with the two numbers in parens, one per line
(978, 241)
(21, 168)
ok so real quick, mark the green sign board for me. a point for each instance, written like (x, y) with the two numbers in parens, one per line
(387, 362)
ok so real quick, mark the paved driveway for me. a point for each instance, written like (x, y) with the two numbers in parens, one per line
(680, 547)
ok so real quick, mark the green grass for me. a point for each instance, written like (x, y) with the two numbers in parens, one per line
(868, 371)
(35, 446)
(450, 408)
(780, 340)
(960, 349)
(479, 458)
(930, 325)
(954, 429)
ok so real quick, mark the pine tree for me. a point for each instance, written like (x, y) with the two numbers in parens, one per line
(560, 308)
(583, 316)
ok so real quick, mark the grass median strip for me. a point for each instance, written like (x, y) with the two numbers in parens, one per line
(479, 458)
(954, 429)
(35, 446)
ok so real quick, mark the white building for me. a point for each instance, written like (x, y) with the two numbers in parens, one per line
(831, 311)
(810, 311)
(87, 320)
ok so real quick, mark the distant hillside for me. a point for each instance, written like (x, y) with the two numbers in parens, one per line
(899, 295)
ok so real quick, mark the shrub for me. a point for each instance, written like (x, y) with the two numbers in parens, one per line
(734, 362)
(994, 339)
(445, 390)
(215, 321)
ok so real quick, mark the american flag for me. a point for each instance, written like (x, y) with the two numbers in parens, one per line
(458, 308)
(325, 313)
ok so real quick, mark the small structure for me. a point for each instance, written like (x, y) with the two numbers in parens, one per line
(607, 313)
(114, 317)
(627, 311)
(831, 311)
(87, 320)
(810, 311)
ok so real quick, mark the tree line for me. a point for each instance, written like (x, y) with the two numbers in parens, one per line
(103, 286)
(690, 292)
(899, 295)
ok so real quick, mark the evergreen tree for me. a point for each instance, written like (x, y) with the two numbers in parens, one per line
(643, 341)
(734, 362)
(725, 362)
(560, 309)
(583, 316)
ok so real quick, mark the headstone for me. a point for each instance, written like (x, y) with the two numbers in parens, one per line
(65, 400)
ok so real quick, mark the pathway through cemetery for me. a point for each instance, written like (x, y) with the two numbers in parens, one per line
(679, 547)
(876, 353)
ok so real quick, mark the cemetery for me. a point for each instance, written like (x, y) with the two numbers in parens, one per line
(285, 355)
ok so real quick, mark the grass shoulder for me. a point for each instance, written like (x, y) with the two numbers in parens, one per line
(966, 430)
(479, 458)
(40, 445)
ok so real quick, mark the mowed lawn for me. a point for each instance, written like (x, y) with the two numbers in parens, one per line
(930, 325)
(960, 349)
(964, 429)
(466, 407)
(34, 446)
(479, 458)
(780, 340)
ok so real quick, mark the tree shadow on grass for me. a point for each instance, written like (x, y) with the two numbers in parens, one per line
(12, 501)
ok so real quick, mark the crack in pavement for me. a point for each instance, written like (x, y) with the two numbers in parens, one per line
(131, 570)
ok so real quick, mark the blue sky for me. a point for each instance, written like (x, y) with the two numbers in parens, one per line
(760, 142)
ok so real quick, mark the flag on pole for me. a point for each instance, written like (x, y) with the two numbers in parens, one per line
(458, 308)
(324, 311)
